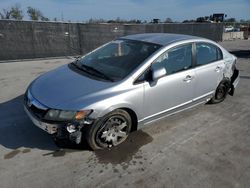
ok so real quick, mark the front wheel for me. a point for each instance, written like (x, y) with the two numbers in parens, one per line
(109, 131)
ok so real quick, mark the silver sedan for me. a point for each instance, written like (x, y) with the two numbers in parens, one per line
(127, 83)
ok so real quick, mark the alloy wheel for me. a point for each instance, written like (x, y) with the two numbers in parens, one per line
(113, 132)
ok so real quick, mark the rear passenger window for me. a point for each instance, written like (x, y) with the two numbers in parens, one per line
(176, 59)
(207, 53)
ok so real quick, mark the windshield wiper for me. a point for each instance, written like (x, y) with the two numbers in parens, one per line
(87, 69)
(92, 70)
(79, 67)
(96, 72)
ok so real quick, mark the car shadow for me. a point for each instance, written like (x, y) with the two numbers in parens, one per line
(241, 53)
(18, 131)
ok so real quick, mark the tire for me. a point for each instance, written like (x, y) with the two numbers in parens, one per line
(221, 92)
(111, 130)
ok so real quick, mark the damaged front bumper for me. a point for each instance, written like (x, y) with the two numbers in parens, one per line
(66, 130)
(49, 128)
(234, 81)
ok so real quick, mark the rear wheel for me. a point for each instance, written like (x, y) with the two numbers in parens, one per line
(109, 131)
(221, 92)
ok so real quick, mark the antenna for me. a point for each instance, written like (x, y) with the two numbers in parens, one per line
(62, 19)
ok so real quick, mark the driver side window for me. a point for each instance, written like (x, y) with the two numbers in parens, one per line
(176, 59)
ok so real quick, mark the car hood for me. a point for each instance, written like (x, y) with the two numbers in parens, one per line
(62, 86)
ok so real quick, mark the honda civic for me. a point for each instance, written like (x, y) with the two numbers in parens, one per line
(127, 83)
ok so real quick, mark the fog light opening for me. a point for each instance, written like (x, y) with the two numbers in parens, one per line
(71, 128)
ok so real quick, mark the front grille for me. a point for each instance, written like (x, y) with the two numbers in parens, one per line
(39, 113)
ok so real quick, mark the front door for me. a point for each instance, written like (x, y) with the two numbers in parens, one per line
(176, 89)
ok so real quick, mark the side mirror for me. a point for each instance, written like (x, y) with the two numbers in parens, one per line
(158, 71)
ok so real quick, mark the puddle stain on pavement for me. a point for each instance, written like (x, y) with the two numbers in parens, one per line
(120, 158)
(125, 151)
(11, 154)
(116, 155)
(15, 152)
(26, 150)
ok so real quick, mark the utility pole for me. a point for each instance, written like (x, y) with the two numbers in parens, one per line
(62, 19)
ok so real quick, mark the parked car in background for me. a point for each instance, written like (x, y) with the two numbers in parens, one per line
(229, 29)
(127, 83)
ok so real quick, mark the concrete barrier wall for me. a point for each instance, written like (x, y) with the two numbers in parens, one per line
(233, 35)
(27, 39)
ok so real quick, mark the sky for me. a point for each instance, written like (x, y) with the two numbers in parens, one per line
(177, 10)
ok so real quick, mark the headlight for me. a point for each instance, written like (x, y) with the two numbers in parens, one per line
(61, 115)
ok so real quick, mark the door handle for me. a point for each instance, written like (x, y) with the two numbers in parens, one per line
(218, 68)
(188, 78)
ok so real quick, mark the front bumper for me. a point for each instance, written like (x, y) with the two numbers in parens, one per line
(49, 128)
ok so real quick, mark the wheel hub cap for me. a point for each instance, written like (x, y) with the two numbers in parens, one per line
(115, 134)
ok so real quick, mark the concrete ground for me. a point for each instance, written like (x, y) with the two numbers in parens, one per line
(207, 146)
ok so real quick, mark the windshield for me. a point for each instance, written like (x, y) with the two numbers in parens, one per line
(117, 59)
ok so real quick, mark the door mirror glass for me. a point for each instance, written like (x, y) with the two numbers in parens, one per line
(158, 71)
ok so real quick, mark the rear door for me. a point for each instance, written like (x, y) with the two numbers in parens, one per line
(209, 69)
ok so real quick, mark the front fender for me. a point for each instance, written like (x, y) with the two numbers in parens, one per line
(132, 100)
(117, 106)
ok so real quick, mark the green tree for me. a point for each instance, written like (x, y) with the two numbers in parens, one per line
(33, 13)
(36, 14)
(15, 12)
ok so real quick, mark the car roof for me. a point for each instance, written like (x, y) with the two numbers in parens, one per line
(163, 39)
